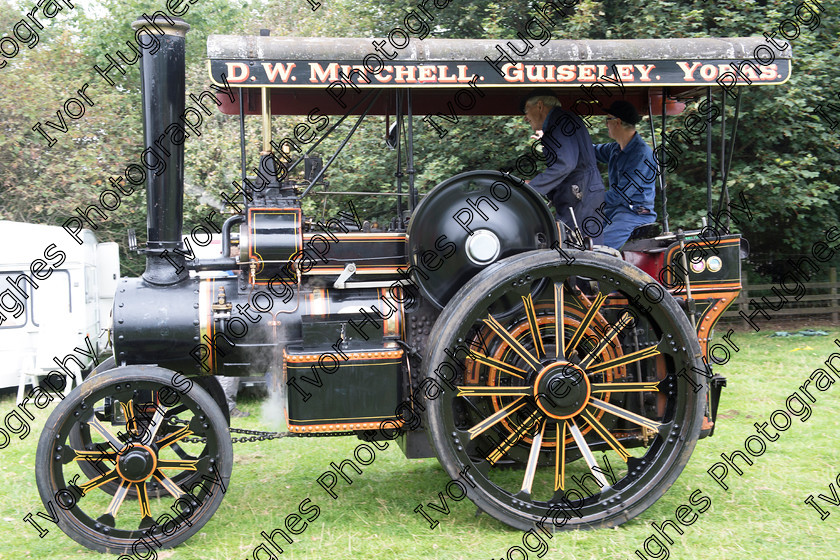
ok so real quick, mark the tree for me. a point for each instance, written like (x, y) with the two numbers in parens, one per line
(786, 156)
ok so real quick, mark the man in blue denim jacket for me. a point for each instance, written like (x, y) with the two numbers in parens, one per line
(571, 179)
(632, 172)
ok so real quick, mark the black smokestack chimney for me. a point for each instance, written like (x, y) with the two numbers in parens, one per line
(162, 71)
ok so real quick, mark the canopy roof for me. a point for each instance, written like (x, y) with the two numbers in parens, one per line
(303, 71)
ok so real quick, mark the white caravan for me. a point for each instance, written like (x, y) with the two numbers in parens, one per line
(54, 294)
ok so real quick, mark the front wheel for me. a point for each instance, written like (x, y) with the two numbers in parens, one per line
(106, 505)
(577, 400)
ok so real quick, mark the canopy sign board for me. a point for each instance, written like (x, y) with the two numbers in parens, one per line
(292, 62)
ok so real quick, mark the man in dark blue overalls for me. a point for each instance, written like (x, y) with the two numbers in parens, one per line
(571, 179)
(632, 172)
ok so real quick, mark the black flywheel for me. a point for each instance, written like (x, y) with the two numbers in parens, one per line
(572, 390)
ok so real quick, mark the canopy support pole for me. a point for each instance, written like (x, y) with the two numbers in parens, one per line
(724, 193)
(723, 143)
(266, 114)
(709, 153)
(412, 190)
(399, 174)
(241, 134)
(661, 163)
(662, 176)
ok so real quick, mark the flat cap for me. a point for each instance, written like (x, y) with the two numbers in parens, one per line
(536, 92)
(625, 111)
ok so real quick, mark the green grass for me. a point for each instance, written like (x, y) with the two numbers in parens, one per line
(762, 515)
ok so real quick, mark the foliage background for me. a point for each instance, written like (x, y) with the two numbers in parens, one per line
(786, 160)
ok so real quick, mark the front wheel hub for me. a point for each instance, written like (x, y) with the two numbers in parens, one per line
(137, 464)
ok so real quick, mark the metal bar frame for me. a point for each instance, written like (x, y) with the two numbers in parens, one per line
(341, 146)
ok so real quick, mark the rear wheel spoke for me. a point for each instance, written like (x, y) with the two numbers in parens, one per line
(533, 457)
(626, 414)
(494, 391)
(609, 336)
(499, 365)
(559, 331)
(490, 421)
(605, 435)
(587, 454)
(533, 326)
(514, 344)
(591, 312)
(560, 457)
(632, 387)
(624, 360)
(511, 440)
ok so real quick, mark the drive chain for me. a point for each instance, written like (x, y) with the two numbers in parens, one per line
(255, 435)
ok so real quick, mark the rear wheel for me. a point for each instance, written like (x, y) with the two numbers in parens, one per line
(132, 411)
(577, 406)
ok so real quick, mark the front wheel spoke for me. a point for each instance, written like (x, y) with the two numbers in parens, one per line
(624, 360)
(94, 456)
(517, 434)
(501, 366)
(625, 387)
(106, 433)
(587, 454)
(183, 464)
(533, 457)
(494, 391)
(490, 421)
(606, 435)
(99, 481)
(169, 484)
(587, 320)
(609, 336)
(174, 437)
(130, 420)
(119, 498)
(143, 498)
(559, 331)
(154, 426)
(534, 327)
(560, 457)
(512, 342)
(625, 414)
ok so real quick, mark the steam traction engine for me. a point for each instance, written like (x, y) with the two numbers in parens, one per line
(495, 347)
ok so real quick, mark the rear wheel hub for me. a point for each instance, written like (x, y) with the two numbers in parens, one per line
(561, 390)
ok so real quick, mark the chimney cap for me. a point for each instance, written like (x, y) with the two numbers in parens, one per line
(163, 24)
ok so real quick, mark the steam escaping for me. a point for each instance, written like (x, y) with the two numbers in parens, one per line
(273, 410)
